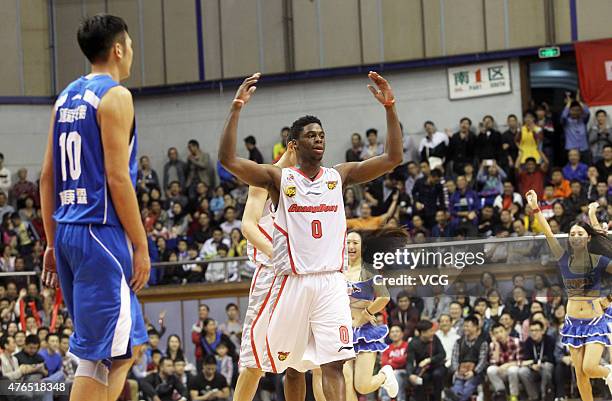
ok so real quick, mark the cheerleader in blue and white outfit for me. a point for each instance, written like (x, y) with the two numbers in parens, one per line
(367, 299)
(586, 330)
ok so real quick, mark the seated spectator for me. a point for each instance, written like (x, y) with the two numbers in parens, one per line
(184, 375)
(508, 197)
(532, 175)
(5, 176)
(575, 169)
(469, 361)
(352, 204)
(442, 228)
(414, 173)
(368, 222)
(519, 308)
(491, 179)
(604, 166)
(495, 305)
(178, 223)
(464, 206)
(69, 360)
(221, 271)
(238, 244)
(231, 222)
(521, 251)
(561, 217)
(448, 336)
(210, 247)
(28, 210)
(433, 148)
(429, 191)
(10, 366)
(26, 235)
(395, 356)
(22, 189)
(163, 385)
(406, 314)
(175, 195)
(504, 361)
(217, 203)
(537, 362)
(5, 207)
(425, 362)
(560, 184)
(455, 311)
(209, 384)
(52, 357)
(354, 153)
(373, 147)
(34, 362)
(225, 365)
(211, 336)
(437, 304)
(254, 154)
(486, 221)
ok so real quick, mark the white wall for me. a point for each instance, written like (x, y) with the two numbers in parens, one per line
(343, 104)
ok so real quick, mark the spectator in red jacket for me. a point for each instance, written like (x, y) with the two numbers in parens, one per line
(196, 331)
(395, 356)
(406, 314)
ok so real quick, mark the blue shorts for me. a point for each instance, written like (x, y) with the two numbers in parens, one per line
(94, 264)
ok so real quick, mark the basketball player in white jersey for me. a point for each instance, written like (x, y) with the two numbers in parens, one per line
(258, 227)
(310, 317)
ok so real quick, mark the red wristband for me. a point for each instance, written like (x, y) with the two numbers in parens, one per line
(389, 103)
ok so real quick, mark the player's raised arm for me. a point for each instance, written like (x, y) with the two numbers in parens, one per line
(260, 175)
(116, 119)
(365, 171)
(47, 205)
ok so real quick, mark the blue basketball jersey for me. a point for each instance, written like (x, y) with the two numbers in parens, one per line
(82, 195)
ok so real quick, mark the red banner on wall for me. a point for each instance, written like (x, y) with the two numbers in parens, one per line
(594, 60)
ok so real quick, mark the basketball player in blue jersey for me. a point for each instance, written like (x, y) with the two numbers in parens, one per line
(95, 235)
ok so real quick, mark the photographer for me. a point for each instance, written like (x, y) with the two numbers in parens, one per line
(425, 365)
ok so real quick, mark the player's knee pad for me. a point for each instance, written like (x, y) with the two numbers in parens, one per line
(97, 370)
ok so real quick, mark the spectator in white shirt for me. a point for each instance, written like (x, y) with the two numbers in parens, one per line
(230, 222)
(448, 336)
(209, 249)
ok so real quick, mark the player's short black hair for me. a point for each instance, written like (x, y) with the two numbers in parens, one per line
(298, 126)
(250, 140)
(97, 34)
(32, 339)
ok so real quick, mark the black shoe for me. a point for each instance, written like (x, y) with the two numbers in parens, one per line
(450, 394)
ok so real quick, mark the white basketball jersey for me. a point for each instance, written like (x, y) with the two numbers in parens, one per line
(310, 225)
(266, 227)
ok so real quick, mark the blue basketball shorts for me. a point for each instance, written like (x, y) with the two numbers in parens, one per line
(94, 265)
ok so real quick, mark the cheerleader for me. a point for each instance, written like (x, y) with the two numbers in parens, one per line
(367, 299)
(585, 330)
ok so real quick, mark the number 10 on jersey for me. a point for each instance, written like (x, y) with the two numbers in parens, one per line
(70, 148)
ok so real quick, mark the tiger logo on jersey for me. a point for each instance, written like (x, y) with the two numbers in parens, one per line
(290, 191)
(282, 356)
(331, 185)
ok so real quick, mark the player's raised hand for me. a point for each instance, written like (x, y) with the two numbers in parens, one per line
(142, 269)
(381, 89)
(49, 273)
(246, 90)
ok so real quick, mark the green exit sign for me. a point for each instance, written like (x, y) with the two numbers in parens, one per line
(549, 52)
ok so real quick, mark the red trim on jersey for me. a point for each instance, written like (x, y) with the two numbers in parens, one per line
(263, 305)
(280, 292)
(319, 174)
(264, 232)
(254, 254)
(342, 254)
(256, 274)
(288, 247)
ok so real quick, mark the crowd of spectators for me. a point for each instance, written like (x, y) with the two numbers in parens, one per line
(453, 184)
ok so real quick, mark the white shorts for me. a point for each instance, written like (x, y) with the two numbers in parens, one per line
(253, 345)
(310, 323)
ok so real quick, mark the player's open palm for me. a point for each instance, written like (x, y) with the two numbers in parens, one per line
(49, 273)
(246, 90)
(381, 89)
(142, 269)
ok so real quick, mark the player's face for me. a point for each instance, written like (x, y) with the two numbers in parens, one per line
(353, 243)
(311, 144)
(125, 63)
